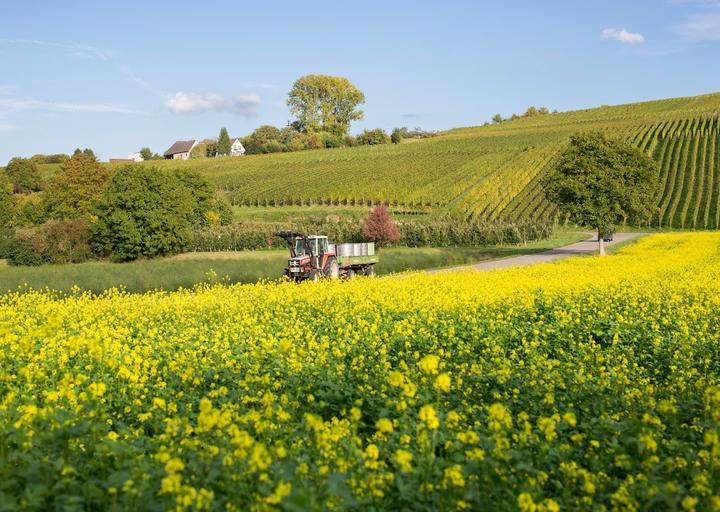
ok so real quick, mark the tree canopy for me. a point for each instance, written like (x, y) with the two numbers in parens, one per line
(600, 181)
(73, 191)
(143, 212)
(7, 202)
(325, 103)
(24, 175)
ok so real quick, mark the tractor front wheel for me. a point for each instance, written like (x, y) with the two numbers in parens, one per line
(314, 275)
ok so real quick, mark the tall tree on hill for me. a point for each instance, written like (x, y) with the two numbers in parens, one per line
(223, 144)
(601, 181)
(146, 153)
(325, 103)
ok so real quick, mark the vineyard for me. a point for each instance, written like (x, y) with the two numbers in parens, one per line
(491, 172)
(541, 388)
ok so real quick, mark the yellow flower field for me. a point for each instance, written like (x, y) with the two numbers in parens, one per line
(586, 384)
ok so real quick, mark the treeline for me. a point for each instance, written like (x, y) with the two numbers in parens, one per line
(270, 139)
(530, 112)
(440, 233)
(87, 210)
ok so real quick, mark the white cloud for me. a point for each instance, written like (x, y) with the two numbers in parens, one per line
(623, 36)
(193, 103)
(33, 104)
(701, 26)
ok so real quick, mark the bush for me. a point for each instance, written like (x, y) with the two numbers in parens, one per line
(373, 137)
(144, 211)
(199, 151)
(331, 140)
(30, 209)
(24, 175)
(396, 136)
(313, 141)
(56, 241)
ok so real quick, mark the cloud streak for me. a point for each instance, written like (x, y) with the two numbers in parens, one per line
(703, 26)
(623, 36)
(195, 103)
(77, 50)
(15, 104)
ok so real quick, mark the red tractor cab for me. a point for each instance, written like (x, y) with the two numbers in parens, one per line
(311, 257)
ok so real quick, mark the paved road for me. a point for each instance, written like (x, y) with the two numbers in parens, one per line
(585, 247)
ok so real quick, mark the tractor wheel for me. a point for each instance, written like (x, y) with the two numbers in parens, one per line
(314, 275)
(332, 270)
(370, 271)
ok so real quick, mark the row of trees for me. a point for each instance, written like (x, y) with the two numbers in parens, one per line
(530, 112)
(87, 209)
(270, 139)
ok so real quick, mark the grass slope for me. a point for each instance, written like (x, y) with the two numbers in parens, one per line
(491, 171)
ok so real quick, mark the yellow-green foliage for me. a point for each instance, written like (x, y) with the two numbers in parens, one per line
(593, 383)
(491, 171)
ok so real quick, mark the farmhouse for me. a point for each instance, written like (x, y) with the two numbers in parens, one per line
(180, 150)
(236, 148)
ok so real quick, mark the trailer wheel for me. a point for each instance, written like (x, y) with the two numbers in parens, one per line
(370, 271)
(350, 273)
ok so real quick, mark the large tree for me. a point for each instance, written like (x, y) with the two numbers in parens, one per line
(144, 211)
(73, 191)
(325, 103)
(600, 181)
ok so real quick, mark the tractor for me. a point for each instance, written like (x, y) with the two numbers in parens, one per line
(313, 257)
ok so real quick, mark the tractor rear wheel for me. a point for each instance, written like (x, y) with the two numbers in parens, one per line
(333, 269)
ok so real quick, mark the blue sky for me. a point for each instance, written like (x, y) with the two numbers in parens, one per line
(116, 76)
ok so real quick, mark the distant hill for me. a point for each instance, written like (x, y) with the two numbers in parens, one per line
(491, 171)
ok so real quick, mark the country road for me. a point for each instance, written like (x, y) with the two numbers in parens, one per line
(588, 246)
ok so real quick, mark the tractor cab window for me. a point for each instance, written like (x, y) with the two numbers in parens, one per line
(322, 245)
(299, 246)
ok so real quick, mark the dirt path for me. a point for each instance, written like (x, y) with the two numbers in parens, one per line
(588, 246)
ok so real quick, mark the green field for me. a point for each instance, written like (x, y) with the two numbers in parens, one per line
(491, 171)
(186, 270)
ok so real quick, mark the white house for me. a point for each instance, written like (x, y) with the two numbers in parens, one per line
(136, 157)
(236, 148)
(180, 150)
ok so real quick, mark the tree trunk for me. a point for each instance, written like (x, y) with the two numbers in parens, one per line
(601, 242)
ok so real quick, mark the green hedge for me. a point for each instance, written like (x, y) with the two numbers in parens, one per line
(442, 233)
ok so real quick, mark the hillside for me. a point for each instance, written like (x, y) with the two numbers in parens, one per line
(491, 171)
